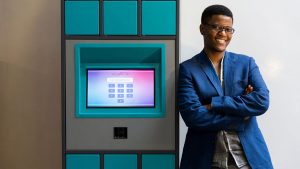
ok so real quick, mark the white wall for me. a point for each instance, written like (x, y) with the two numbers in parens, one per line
(269, 31)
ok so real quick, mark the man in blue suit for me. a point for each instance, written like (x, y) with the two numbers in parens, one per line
(220, 94)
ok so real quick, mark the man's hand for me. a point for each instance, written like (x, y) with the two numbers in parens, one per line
(208, 106)
(248, 89)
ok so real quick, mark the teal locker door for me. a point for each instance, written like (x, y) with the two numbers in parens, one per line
(120, 17)
(159, 17)
(120, 161)
(81, 17)
(83, 161)
(158, 161)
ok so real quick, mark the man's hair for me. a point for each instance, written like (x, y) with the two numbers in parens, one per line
(215, 10)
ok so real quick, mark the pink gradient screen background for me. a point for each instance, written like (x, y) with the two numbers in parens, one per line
(120, 88)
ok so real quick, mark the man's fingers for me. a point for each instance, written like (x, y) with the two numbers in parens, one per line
(248, 89)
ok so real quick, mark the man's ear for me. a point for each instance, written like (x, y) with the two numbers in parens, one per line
(201, 28)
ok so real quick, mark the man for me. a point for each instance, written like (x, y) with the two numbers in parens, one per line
(219, 96)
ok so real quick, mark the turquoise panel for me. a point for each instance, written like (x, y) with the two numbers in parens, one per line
(159, 17)
(83, 161)
(120, 17)
(120, 161)
(81, 0)
(82, 17)
(158, 161)
(120, 56)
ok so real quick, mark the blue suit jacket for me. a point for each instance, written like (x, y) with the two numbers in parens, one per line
(197, 83)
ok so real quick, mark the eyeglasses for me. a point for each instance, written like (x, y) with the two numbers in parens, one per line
(218, 28)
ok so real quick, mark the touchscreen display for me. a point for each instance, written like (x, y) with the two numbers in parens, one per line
(120, 88)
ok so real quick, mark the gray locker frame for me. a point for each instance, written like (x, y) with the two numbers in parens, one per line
(101, 36)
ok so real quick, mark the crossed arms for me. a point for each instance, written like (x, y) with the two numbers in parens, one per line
(224, 112)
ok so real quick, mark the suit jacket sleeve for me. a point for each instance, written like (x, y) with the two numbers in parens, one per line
(195, 115)
(252, 104)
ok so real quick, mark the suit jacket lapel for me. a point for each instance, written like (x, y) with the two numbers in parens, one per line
(208, 69)
(228, 73)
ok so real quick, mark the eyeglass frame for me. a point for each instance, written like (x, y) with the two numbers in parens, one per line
(218, 28)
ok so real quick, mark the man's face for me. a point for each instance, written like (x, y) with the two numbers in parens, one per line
(217, 40)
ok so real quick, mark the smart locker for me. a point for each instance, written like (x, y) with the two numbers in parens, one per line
(120, 61)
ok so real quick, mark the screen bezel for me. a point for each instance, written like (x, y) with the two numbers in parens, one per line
(154, 90)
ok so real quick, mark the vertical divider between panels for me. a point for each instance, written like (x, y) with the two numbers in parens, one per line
(139, 19)
(101, 18)
(102, 161)
(139, 160)
(177, 53)
(177, 45)
(63, 84)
